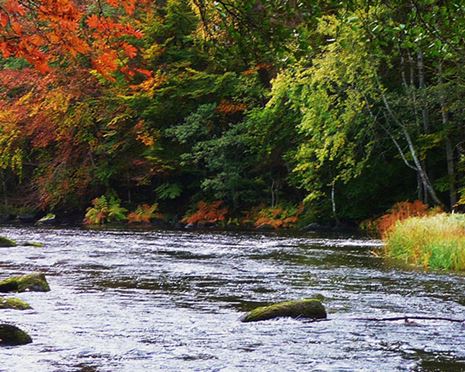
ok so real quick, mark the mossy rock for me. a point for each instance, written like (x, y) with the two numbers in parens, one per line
(307, 308)
(34, 282)
(5, 242)
(13, 303)
(11, 335)
(33, 244)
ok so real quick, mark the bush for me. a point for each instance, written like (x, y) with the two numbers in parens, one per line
(277, 217)
(207, 213)
(105, 210)
(436, 242)
(144, 213)
(399, 211)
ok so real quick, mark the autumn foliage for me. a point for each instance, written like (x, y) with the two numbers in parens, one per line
(48, 31)
(207, 213)
(278, 217)
(400, 211)
(144, 214)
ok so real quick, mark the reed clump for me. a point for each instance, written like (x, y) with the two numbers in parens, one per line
(434, 241)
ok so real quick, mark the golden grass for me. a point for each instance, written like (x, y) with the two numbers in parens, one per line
(436, 242)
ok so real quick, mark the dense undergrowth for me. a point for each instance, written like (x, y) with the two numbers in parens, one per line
(436, 241)
(270, 113)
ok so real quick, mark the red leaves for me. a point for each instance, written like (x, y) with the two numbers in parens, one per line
(54, 29)
(207, 213)
(93, 21)
(400, 211)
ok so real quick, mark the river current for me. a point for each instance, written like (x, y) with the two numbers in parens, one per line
(171, 301)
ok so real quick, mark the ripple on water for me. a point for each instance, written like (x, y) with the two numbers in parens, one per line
(167, 300)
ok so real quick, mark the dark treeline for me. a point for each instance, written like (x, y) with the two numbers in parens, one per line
(346, 106)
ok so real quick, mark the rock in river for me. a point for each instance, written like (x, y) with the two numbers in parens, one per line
(13, 303)
(11, 335)
(34, 282)
(5, 242)
(307, 308)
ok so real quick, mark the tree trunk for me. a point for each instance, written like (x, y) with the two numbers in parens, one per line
(424, 109)
(418, 165)
(448, 146)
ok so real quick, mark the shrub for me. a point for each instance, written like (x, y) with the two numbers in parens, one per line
(144, 213)
(207, 213)
(436, 242)
(399, 211)
(104, 210)
(278, 217)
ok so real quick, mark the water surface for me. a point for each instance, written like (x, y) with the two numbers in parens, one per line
(170, 300)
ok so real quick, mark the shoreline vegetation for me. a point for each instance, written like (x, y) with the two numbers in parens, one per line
(433, 242)
(328, 113)
(411, 232)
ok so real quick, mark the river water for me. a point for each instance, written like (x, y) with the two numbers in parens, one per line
(170, 301)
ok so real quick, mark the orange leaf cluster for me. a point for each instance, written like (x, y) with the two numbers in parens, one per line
(51, 30)
(277, 217)
(229, 108)
(144, 214)
(207, 213)
(400, 211)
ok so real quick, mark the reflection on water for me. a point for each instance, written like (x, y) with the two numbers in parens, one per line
(164, 300)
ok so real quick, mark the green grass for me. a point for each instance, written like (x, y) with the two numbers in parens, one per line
(434, 242)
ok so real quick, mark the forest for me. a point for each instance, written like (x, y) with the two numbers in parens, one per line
(276, 112)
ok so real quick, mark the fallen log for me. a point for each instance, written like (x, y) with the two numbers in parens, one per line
(307, 308)
(407, 318)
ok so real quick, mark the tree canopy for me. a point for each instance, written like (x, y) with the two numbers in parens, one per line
(347, 107)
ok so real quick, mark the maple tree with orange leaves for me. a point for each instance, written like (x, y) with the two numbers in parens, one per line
(45, 31)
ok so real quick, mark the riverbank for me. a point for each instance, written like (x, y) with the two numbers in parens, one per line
(432, 241)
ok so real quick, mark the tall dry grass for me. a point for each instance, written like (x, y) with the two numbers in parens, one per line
(435, 241)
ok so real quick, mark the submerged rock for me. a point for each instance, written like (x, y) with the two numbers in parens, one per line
(32, 244)
(307, 308)
(49, 219)
(11, 335)
(26, 218)
(34, 282)
(5, 242)
(13, 303)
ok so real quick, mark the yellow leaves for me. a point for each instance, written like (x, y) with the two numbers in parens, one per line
(152, 52)
(150, 85)
(143, 135)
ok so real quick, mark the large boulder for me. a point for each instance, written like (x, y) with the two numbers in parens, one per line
(13, 303)
(11, 335)
(307, 308)
(5, 242)
(34, 282)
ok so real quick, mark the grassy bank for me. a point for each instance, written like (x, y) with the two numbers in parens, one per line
(436, 242)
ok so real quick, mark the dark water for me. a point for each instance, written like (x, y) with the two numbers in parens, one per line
(157, 300)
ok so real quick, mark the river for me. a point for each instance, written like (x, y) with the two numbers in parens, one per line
(168, 300)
